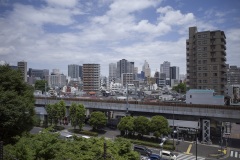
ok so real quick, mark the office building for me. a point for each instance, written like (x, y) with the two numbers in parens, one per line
(73, 71)
(165, 68)
(174, 75)
(146, 69)
(123, 66)
(56, 80)
(38, 73)
(22, 66)
(206, 57)
(80, 71)
(233, 75)
(91, 77)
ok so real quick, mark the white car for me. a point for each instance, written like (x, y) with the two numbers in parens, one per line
(167, 155)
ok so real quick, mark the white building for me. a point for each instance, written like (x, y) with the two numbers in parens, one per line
(202, 96)
(146, 69)
(56, 79)
(115, 87)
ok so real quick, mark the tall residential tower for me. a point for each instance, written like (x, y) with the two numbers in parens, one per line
(206, 57)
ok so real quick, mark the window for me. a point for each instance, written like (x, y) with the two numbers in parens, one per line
(199, 36)
(205, 81)
(205, 42)
(199, 61)
(205, 48)
(190, 96)
(205, 61)
(199, 68)
(199, 75)
(199, 81)
(215, 74)
(204, 68)
(214, 67)
(204, 35)
(205, 74)
(199, 42)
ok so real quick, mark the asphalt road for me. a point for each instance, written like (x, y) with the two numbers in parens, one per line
(203, 150)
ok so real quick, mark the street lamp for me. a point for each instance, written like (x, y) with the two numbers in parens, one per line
(161, 145)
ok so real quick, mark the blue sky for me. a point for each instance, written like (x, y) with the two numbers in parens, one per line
(51, 34)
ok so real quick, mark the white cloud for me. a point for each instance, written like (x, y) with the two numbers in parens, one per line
(63, 3)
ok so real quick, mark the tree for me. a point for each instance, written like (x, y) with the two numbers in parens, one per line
(159, 126)
(77, 115)
(17, 112)
(141, 124)
(40, 85)
(180, 88)
(56, 112)
(126, 125)
(98, 120)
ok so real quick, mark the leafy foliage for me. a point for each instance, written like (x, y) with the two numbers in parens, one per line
(141, 124)
(49, 146)
(98, 120)
(159, 126)
(40, 85)
(126, 125)
(180, 88)
(16, 104)
(77, 115)
(56, 112)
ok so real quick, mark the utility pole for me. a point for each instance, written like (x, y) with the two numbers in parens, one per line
(173, 128)
(196, 142)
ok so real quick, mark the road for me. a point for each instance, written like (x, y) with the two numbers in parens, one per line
(184, 150)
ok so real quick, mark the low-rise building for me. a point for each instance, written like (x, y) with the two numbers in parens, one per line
(203, 96)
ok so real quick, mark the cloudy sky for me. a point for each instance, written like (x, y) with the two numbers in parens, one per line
(51, 34)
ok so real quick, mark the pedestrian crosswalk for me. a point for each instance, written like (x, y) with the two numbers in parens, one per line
(234, 154)
(188, 157)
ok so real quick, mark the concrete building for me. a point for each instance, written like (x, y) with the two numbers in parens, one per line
(112, 72)
(233, 92)
(233, 75)
(127, 78)
(123, 66)
(91, 77)
(206, 57)
(174, 75)
(41, 73)
(165, 68)
(204, 96)
(146, 69)
(73, 70)
(22, 66)
(56, 80)
(80, 72)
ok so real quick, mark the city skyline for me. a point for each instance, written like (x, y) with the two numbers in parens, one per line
(55, 33)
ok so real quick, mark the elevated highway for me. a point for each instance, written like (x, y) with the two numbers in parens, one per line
(221, 113)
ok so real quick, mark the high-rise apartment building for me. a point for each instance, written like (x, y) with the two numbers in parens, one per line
(146, 69)
(165, 68)
(73, 71)
(22, 66)
(123, 66)
(233, 75)
(91, 77)
(112, 71)
(206, 57)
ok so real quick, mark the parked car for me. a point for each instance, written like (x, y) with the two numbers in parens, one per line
(142, 150)
(154, 157)
(167, 155)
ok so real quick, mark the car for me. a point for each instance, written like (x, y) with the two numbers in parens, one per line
(154, 157)
(142, 150)
(167, 155)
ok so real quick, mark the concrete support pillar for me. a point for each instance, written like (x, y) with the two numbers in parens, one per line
(206, 131)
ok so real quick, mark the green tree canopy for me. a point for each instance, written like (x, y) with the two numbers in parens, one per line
(126, 124)
(16, 104)
(159, 126)
(98, 120)
(141, 125)
(56, 112)
(48, 146)
(40, 85)
(180, 88)
(77, 115)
